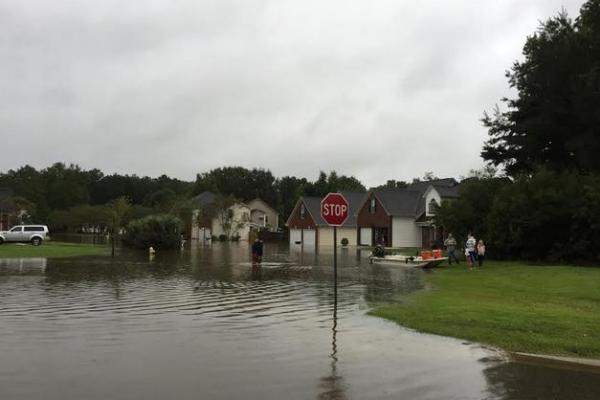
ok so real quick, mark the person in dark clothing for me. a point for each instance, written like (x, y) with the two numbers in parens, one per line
(257, 251)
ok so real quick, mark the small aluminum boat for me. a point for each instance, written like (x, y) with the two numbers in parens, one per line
(410, 261)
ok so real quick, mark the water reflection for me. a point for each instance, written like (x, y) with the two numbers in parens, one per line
(332, 386)
(206, 323)
(23, 265)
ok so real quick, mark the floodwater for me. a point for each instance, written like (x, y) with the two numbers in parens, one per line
(204, 324)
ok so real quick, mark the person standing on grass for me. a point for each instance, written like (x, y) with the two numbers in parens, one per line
(470, 250)
(450, 244)
(480, 252)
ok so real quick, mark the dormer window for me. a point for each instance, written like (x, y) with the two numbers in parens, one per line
(432, 207)
(372, 206)
(302, 211)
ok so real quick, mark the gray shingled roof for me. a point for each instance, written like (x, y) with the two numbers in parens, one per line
(399, 202)
(447, 191)
(313, 206)
(204, 199)
(437, 183)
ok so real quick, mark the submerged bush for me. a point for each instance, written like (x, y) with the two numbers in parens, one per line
(159, 231)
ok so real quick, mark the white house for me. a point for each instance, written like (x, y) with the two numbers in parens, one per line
(403, 217)
(235, 223)
(263, 216)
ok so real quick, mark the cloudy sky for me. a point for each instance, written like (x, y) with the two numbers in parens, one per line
(375, 89)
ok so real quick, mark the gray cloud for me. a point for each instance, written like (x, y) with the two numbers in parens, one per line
(382, 90)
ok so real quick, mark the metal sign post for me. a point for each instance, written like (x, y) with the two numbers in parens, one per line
(334, 211)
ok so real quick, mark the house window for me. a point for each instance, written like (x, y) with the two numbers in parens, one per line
(302, 211)
(433, 206)
(372, 206)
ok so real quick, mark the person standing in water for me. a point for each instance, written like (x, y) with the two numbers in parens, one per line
(257, 251)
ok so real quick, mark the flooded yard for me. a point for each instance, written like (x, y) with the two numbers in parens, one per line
(205, 323)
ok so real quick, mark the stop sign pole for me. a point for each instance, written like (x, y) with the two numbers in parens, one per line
(334, 211)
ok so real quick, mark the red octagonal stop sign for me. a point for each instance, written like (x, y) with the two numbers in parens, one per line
(334, 209)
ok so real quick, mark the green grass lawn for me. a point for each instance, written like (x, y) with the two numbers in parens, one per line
(537, 309)
(51, 249)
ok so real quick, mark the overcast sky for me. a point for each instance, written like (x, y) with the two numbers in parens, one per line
(375, 89)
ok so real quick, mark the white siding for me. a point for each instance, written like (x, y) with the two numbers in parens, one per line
(432, 194)
(326, 236)
(366, 236)
(295, 236)
(241, 213)
(309, 237)
(405, 233)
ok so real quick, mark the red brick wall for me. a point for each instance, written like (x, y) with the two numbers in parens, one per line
(295, 222)
(378, 220)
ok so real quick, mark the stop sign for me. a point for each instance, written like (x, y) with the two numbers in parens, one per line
(334, 209)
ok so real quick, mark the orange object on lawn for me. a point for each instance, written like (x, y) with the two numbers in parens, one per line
(437, 253)
(425, 254)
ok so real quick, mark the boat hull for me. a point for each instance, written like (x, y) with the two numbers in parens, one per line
(415, 262)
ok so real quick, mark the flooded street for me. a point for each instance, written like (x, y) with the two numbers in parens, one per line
(205, 324)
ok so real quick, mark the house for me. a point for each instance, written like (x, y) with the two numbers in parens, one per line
(404, 217)
(236, 221)
(208, 221)
(263, 216)
(308, 228)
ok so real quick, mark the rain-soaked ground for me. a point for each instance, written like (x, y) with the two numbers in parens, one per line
(205, 324)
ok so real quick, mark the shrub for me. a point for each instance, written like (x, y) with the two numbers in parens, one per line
(222, 237)
(345, 242)
(159, 231)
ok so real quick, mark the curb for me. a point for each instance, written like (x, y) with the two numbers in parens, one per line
(572, 363)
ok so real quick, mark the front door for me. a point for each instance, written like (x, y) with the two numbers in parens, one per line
(426, 237)
(380, 236)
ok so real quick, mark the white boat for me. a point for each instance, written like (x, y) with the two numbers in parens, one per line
(410, 261)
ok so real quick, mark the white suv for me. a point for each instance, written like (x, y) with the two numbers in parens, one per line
(34, 234)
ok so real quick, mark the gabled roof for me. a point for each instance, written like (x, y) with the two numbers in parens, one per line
(447, 191)
(422, 186)
(399, 202)
(263, 203)
(313, 206)
(204, 199)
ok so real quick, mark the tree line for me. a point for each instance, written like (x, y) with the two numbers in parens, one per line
(547, 142)
(70, 198)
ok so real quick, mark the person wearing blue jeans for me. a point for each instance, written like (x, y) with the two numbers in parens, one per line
(450, 244)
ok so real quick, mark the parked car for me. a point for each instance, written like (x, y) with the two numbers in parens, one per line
(34, 234)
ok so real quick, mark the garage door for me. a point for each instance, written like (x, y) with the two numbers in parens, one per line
(309, 237)
(295, 236)
(366, 236)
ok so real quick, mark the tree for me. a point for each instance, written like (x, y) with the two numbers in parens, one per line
(554, 121)
(469, 212)
(289, 189)
(229, 222)
(118, 212)
(158, 231)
